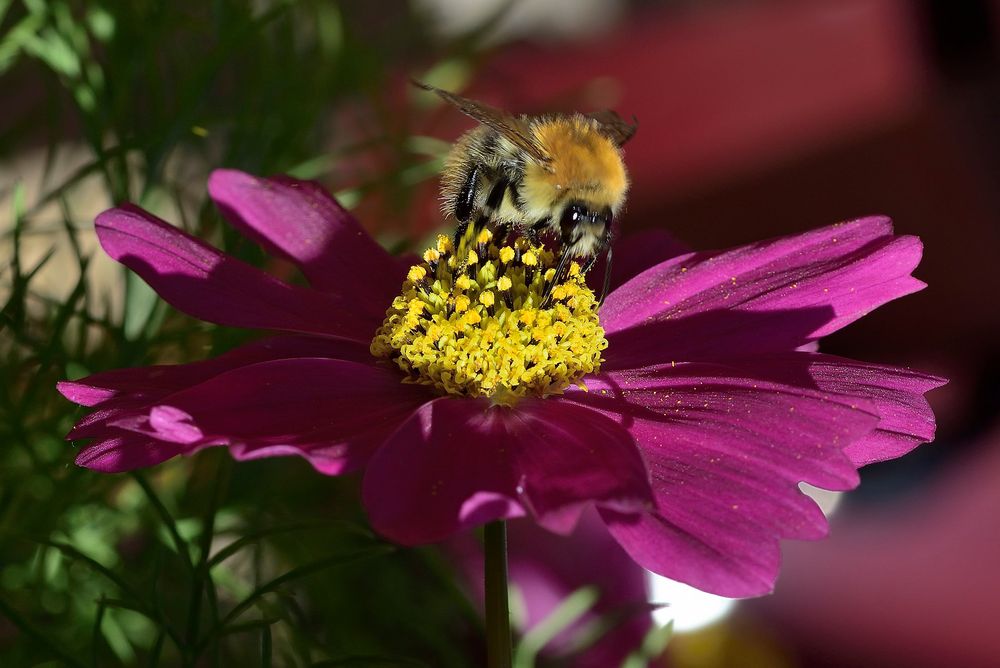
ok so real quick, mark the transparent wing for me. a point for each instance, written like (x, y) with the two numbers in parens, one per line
(511, 127)
(614, 126)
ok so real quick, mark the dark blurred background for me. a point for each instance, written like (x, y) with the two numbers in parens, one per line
(756, 118)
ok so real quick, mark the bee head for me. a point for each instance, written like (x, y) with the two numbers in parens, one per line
(581, 224)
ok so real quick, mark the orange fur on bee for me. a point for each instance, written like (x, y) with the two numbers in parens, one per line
(583, 163)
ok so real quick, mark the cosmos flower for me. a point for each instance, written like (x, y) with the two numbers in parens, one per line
(686, 411)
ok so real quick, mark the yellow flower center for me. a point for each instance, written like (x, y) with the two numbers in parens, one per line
(475, 321)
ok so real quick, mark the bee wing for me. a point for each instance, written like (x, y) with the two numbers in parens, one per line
(511, 127)
(613, 126)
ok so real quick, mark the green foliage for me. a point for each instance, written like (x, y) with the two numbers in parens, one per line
(188, 564)
(198, 562)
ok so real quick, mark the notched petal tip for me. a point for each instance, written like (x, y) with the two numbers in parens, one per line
(727, 446)
(714, 566)
(843, 271)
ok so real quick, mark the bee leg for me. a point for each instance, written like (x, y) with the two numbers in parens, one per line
(486, 217)
(533, 233)
(465, 202)
(592, 261)
(564, 259)
(460, 232)
(481, 223)
(500, 233)
(467, 196)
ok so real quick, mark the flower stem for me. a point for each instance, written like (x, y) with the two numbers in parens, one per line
(498, 643)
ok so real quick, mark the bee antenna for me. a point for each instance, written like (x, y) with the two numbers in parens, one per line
(607, 277)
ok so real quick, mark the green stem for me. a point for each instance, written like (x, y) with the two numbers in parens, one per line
(498, 642)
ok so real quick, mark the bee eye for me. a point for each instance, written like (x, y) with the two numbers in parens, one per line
(575, 213)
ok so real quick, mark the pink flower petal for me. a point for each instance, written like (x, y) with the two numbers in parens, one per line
(771, 296)
(124, 394)
(158, 381)
(462, 462)
(121, 451)
(209, 285)
(300, 221)
(897, 395)
(706, 552)
(332, 412)
(174, 425)
(726, 452)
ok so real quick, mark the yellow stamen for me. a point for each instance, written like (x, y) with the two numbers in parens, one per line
(483, 327)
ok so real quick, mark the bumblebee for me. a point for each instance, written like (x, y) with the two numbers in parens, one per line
(560, 174)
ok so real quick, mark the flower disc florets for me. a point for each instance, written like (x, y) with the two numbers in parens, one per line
(475, 321)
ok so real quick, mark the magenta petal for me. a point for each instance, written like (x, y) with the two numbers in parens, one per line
(121, 451)
(161, 423)
(300, 221)
(462, 462)
(151, 382)
(723, 559)
(209, 285)
(726, 453)
(332, 412)
(86, 394)
(766, 297)
(897, 395)
(122, 396)
(174, 425)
